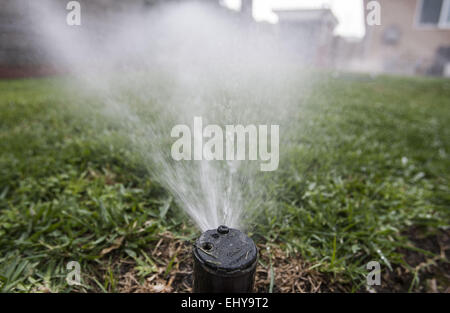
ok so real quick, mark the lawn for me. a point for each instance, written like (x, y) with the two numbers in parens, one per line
(367, 179)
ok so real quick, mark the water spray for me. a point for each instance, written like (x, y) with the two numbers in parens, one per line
(224, 261)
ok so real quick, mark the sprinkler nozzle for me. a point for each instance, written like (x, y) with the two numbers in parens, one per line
(224, 261)
(222, 229)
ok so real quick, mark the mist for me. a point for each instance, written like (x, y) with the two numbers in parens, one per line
(155, 69)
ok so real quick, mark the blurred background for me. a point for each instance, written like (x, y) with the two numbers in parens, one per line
(413, 37)
(360, 90)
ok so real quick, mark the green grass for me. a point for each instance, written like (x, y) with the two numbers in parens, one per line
(371, 161)
(378, 165)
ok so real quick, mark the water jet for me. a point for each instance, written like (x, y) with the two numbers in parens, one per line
(224, 261)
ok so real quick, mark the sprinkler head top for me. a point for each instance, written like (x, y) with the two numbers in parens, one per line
(225, 250)
(224, 261)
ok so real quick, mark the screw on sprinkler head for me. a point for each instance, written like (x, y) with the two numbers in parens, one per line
(224, 261)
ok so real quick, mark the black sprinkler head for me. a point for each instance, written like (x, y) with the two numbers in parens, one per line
(224, 261)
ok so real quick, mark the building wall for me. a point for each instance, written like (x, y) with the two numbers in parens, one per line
(308, 35)
(15, 37)
(415, 49)
(23, 44)
(21, 50)
(348, 53)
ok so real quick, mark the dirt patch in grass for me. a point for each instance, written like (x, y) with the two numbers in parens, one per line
(174, 273)
(290, 274)
(421, 272)
(279, 272)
